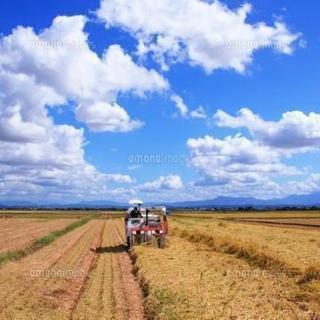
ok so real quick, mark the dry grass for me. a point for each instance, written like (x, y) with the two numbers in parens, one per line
(29, 244)
(217, 269)
(46, 214)
(47, 283)
(310, 274)
(231, 215)
(288, 249)
(59, 214)
(254, 254)
(186, 281)
(210, 269)
(112, 291)
(17, 234)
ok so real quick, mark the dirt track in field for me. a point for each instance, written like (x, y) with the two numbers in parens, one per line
(112, 291)
(19, 233)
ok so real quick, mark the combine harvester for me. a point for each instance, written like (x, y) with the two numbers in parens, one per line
(145, 225)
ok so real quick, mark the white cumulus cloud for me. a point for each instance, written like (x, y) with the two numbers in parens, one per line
(41, 71)
(198, 113)
(170, 182)
(295, 130)
(257, 165)
(183, 110)
(180, 105)
(60, 61)
(235, 160)
(119, 178)
(102, 116)
(203, 33)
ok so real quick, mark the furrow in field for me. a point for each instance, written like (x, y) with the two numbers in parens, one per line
(112, 291)
(48, 283)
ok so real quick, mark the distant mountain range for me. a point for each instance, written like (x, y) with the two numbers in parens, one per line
(219, 202)
(298, 200)
(15, 204)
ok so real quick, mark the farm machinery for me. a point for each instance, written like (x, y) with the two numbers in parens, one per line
(145, 225)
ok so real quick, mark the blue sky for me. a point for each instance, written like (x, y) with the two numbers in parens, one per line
(87, 142)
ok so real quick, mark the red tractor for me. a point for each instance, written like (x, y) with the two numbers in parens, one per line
(145, 225)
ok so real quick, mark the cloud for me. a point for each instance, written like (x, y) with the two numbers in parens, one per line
(119, 178)
(134, 167)
(60, 62)
(181, 106)
(295, 131)
(206, 34)
(123, 75)
(39, 158)
(255, 166)
(102, 116)
(235, 160)
(307, 186)
(170, 182)
(49, 169)
(23, 117)
(183, 109)
(198, 113)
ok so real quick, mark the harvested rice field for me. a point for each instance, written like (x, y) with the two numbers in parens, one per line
(19, 233)
(210, 268)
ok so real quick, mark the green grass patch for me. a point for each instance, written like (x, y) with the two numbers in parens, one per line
(12, 255)
(43, 241)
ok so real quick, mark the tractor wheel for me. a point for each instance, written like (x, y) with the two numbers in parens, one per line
(128, 242)
(133, 240)
(161, 242)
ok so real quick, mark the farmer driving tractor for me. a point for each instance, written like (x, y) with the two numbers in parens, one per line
(143, 226)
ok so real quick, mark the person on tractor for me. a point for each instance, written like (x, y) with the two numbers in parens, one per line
(135, 213)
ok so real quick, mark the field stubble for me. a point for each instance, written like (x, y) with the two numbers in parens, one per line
(210, 269)
(112, 291)
(19, 233)
(215, 269)
(48, 283)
